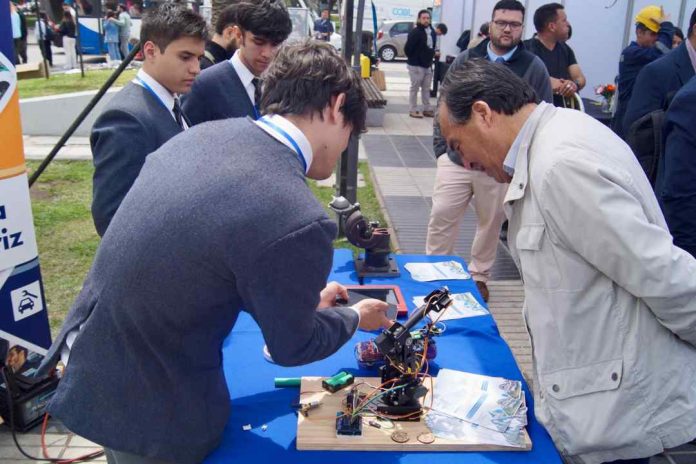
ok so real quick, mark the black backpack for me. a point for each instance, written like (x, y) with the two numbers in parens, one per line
(646, 139)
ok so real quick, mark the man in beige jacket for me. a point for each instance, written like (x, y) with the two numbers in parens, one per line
(610, 301)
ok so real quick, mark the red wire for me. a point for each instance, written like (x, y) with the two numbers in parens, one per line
(86, 457)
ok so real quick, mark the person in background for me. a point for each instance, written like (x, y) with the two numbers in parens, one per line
(146, 112)
(224, 42)
(19, 33)
(678, 37)
(111, 38)
(440, 30)
(654, 34)
(124, 23)
(457, 185)
(483, 34)
(230, 89)
(659, 81)
(323, 27)
(44, 36)
(420, 51)
(67, 30)
(567, 79)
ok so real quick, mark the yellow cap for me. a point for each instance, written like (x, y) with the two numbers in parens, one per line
(650, 17)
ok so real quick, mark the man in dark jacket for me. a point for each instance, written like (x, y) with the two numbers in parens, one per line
(224, 43)
(420, 51)
(676, 186)
(221, 218)
(654, 35)
(455, 185)
(660, 80)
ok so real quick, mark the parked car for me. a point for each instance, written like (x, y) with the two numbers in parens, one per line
(391, 39)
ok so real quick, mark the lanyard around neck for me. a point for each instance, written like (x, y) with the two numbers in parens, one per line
(154, 94)
(279, 130)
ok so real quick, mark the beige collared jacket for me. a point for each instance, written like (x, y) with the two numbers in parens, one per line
(610, 301)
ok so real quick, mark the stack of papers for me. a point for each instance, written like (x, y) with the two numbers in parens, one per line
(445, 270)
(478, 408)
(463, 305)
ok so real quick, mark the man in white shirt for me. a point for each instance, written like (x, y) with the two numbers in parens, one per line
(228, 89)
(146, 113)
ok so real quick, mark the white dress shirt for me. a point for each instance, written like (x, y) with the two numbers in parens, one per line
(245, 75)
(164, 95)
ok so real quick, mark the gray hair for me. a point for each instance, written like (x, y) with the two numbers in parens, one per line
(481, 80)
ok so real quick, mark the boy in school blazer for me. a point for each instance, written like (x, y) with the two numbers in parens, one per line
(146, 112)
(227, 89)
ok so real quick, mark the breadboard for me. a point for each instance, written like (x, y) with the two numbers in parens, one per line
(318, 430)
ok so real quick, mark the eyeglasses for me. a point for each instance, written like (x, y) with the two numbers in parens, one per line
(502, 25)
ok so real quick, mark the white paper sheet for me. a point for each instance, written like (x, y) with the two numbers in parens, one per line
(444, 270)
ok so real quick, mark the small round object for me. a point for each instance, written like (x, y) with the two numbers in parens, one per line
(426, 438)
(400, 436)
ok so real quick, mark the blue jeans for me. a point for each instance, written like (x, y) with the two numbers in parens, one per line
(114, 52)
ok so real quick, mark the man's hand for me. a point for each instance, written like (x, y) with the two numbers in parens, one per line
(563, 87)
(373, 314)
(328, 296)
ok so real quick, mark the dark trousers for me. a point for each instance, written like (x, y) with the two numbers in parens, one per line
(48, 53)
(20, 46)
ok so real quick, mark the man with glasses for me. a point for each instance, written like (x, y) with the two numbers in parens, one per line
(455, 183)
(228, 89)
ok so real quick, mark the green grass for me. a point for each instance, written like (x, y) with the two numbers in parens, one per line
(66, 83)
(67, 241)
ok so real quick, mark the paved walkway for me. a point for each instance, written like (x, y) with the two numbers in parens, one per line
(403, 169)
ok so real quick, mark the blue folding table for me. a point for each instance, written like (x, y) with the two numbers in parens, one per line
(471, 345)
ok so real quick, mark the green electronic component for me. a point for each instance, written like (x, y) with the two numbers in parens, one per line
(287, 382)
(338, 381)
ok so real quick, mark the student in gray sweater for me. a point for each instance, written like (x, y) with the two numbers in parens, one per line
(220, 220)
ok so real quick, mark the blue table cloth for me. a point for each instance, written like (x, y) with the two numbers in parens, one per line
(472, 345)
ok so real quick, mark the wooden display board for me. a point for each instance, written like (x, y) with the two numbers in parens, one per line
(317, 431)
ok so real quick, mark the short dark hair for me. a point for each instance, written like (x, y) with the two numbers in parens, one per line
(268, 19)
(442, 27)
(692, 23)
(227, 17)
(171, 22)
(484, 30)
(679, 33)
(424, 11)
(546, 14)
(513, 5)
(303, 78)
(643, 27)
(123, 7)
(481, 80)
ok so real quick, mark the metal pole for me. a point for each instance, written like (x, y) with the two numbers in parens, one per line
(81, 117)
(358, 35)
(682, 13)
(346, 173)
(348, 30)
(629, 22)
(78, 47)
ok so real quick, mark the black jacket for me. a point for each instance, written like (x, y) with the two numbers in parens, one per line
(214, 54)
(416, 48)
